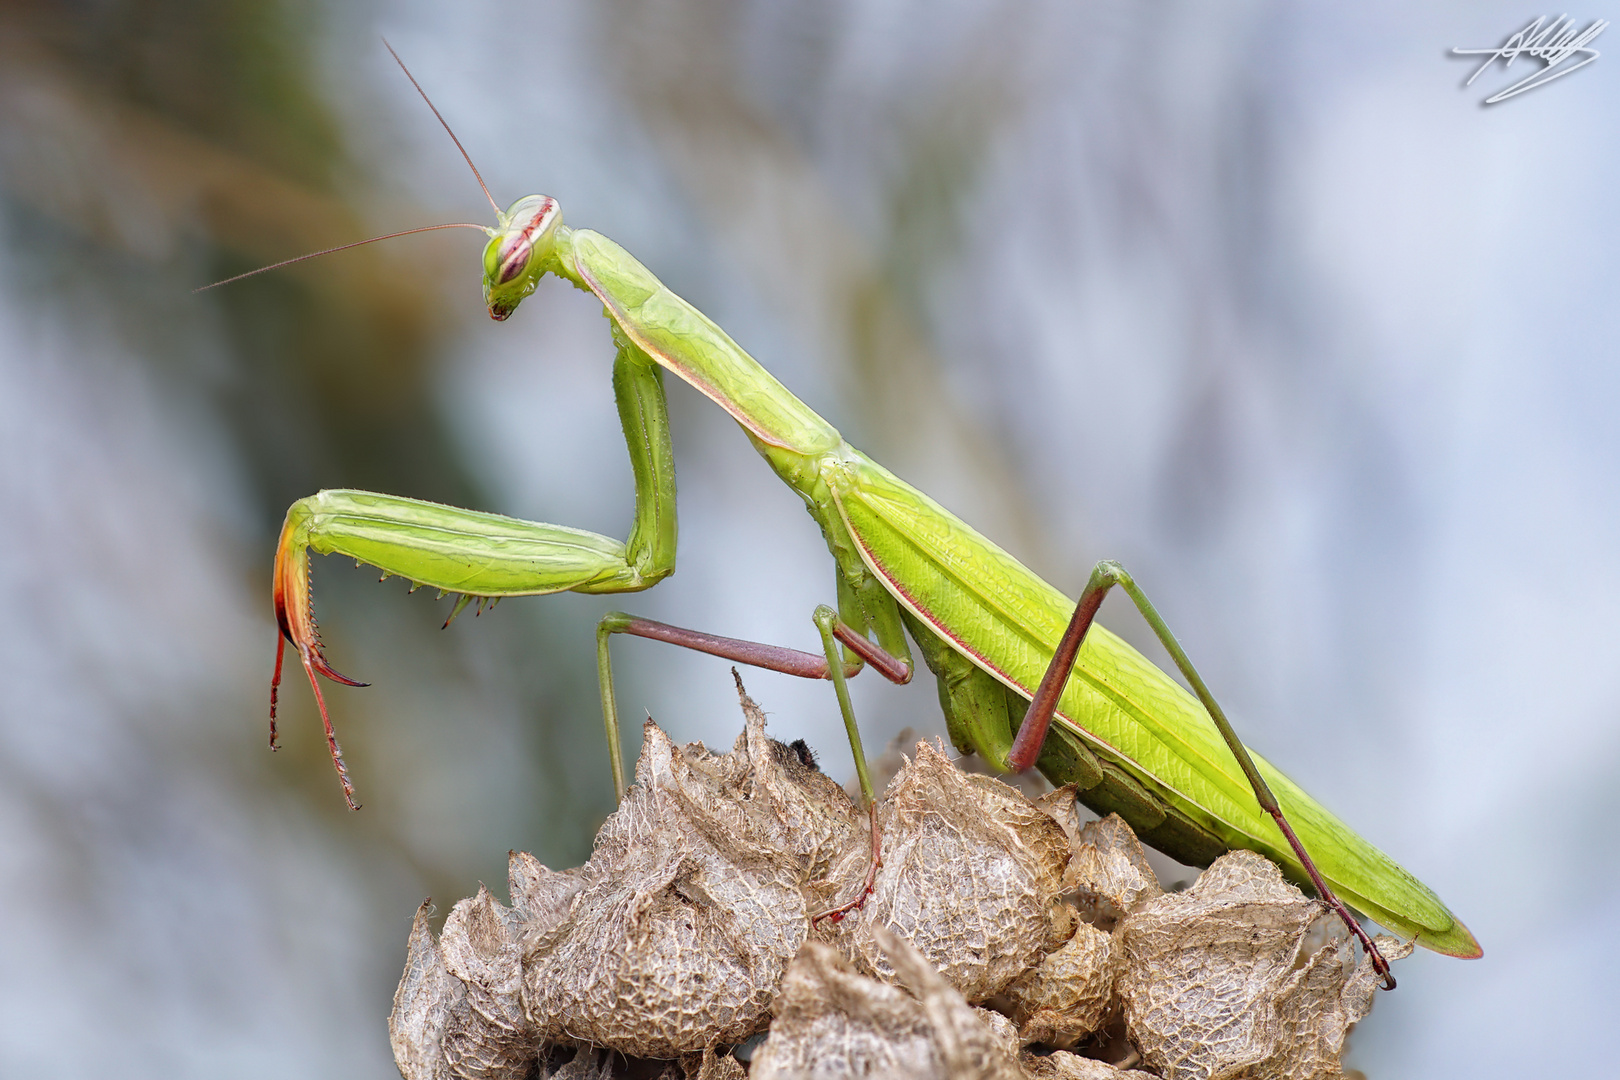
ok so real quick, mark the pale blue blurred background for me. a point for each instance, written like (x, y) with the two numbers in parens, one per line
(1254, 297)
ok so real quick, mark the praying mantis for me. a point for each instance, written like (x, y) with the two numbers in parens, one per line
(1025, 677)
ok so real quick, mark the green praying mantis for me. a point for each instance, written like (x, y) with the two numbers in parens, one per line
(1001, 643)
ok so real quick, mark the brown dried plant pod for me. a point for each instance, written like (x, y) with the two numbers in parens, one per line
(1065, 1066)
(541, 897)
(423, 1003)
(1070, 994)
(488, 1037)
(833, 1022)
(694, 901)
(1218, 982)
(970, 876)
(712, 1066)
(1109, 872)
(456, 1012)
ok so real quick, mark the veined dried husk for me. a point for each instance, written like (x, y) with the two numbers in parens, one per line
(696, 898)
(831, 1021)
(971, 875)
(1219, 982)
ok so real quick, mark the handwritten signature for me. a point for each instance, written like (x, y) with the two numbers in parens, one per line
(1550, 42)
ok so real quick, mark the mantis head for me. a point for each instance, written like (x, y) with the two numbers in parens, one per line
(519, 251)
(521, 247)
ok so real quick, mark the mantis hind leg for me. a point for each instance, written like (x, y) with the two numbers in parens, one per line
(1032, 733)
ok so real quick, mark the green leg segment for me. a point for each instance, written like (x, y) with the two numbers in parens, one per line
(481, 555)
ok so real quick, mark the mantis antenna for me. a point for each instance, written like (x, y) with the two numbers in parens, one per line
(340, 247)
(393, 235)
(446, 125)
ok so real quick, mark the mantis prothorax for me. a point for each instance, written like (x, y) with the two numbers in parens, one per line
(1000, 642)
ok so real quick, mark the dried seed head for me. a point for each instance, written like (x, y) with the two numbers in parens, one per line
(1069, 994)
(1217, 980)
(831, 1021)
(694, 901)
(971, 870)
(426, 997)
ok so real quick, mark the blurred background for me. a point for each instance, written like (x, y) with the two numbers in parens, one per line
(1255, 298)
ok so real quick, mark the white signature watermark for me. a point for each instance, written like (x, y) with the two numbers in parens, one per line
(1553, 43)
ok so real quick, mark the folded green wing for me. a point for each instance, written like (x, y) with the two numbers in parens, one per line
(992, 609)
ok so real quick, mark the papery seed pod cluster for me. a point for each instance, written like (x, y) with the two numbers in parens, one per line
(1003, 939)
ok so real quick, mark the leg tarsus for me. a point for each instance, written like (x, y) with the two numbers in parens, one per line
(873, 865)
(827, 623)
(331, 736)
(275, 686)
(312, 665)
(1380, 965)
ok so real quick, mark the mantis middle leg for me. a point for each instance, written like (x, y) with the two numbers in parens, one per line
(832, 664)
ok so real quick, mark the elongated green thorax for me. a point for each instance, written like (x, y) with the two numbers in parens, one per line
(532, 240)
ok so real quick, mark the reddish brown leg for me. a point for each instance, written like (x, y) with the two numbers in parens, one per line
(804, 665)
(837, 914)
(1043, 704)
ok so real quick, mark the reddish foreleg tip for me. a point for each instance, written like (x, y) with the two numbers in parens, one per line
(275, 685)
(312, 664)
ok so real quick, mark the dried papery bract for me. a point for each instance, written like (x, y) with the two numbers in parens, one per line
(488, 1037)
(1108, 872)
(1065, 1066)
(832, 1022)
(426, 997)
(1217, 983)
(1069, 994)
(696, 899)
(541, 897)
(712, 1066)
(457, 1012)
(971, 871)
(594, 1063)
(673, 940)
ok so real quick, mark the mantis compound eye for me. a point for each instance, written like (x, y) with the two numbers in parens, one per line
(514, 258)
